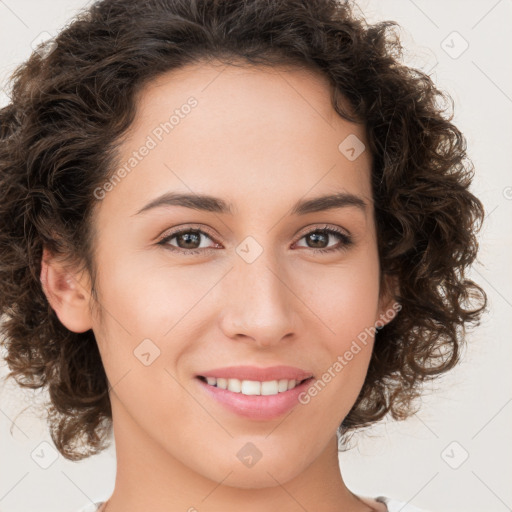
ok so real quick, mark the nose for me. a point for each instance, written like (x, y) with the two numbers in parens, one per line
(260, 308)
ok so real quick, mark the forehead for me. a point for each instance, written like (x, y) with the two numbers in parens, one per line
(258, 95)
(251, 131)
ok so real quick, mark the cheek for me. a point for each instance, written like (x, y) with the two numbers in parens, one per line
(148, 318)
(345, 300)
(143, 333)
(149, 298)
(347, 309)
(344, 296)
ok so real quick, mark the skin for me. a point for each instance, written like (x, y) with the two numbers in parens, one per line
(260, 139)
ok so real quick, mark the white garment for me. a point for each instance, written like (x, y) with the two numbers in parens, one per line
(392, 505)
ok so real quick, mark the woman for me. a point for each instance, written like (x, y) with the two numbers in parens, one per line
(235, 233)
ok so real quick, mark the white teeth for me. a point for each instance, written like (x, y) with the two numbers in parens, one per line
(234, 385)
(282, 385)
(253, 387)
(222, 383)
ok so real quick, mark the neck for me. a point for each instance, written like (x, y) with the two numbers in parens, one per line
(149, 477)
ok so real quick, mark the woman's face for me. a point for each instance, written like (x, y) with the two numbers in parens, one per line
(252, 288)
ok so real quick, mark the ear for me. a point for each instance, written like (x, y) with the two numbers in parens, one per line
(67, 292)
(388, 305)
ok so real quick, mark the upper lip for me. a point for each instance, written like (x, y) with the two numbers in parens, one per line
(257, 373)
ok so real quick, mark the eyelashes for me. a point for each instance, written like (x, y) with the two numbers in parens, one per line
(195, 235)
(345, 241)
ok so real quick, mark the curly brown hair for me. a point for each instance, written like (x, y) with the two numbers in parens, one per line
(70, 107)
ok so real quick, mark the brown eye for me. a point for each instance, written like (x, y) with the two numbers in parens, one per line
(188, 241)
(319, 239)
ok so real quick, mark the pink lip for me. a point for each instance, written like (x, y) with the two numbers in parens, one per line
(255, 373)
(257, 407)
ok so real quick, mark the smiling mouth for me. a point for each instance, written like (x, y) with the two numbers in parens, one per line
(253, 387)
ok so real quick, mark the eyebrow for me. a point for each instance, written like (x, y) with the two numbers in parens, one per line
(217, 205)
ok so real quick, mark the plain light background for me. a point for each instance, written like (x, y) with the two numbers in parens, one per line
(454, 454)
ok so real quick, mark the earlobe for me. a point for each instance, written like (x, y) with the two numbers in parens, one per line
(67, 294)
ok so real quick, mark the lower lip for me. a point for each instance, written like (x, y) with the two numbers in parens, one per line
(257, 407)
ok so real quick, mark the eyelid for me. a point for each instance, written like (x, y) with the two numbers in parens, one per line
(321, 227)
(163, 239)
(186, 227)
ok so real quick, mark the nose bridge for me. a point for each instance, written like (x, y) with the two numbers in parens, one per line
(260, 303)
